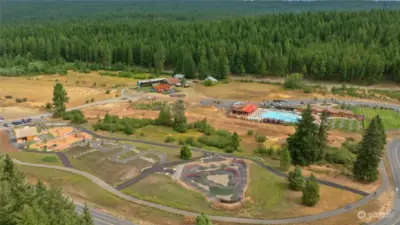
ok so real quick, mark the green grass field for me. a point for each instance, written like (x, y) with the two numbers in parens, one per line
(390, 118)
(348, 125)
(82, 189)
(37, 158)
(266, 191)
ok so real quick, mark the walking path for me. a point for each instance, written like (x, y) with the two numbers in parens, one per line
(107, 187)
(384, 185)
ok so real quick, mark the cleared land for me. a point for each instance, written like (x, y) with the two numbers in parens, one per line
(99, 164)
(251, 91)
(390, 118)
(79, 86)
(266, 197)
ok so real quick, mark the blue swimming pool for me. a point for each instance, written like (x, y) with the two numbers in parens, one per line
(285, 116)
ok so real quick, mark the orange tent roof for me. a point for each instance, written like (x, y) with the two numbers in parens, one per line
(249, 108)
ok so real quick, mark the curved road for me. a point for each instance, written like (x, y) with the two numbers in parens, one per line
(107, 187)
(393, 156)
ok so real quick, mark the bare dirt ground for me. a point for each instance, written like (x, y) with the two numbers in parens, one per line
(79, 86)
(63, 139)
(15, 112)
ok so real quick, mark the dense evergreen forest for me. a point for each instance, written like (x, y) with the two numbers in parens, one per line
(348, 46)
(32, 11)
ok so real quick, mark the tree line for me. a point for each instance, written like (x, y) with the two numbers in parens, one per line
(347, 46)
(22, 203)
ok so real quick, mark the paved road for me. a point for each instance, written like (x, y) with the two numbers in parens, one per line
(119, 194)
(394, 159)
(101, 218)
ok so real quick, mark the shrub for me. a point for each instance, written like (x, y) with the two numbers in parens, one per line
(293, 81)
(9, 96)
(219, 139)
(208, 83)
(250, 132)
(186, 152)
(125, 74)
(261, 150)
(108, 92)
(20, 100)
(311, 194)
(169, 139)
(76, 117)
(296, 179)
(128, 130)
(307, 89)
(260, 138)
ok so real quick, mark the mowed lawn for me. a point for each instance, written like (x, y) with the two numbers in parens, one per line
(390, 118)
(37, 158)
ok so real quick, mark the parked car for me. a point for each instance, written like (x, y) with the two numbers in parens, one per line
(7, 125)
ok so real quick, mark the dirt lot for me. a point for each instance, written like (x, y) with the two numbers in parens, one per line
(16, 112)
(38, 90)
(63, 138)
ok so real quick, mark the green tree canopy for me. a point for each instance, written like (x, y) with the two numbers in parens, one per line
(22, 203)
(311, 194)
(304, 145)
(296, 179)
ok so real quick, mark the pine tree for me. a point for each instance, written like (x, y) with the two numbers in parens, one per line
(311, 194)
(296, 179)
(186, 152)
(202, 68)
(164, 117)
(202, 219)
(8, 172)
(180, 122)
(366, 165)
(223, 67)
(381, 131)
(284, 159)
(59, 99)
(159, 58)
(86, 216)
(235, 141)
(323, 134)
(188, 66)
(303, 144)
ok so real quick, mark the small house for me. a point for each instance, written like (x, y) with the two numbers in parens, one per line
(212, 79)
(25, 134)
(150, 82)
(162, 88)
(179, 76)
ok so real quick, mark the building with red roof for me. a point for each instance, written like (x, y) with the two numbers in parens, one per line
(243, 109)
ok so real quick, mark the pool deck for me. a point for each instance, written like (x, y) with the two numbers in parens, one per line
(258, 115)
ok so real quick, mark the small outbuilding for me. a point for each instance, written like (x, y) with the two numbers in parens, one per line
(26, 134)
(173, 81)
(212, 79)
(179, 76)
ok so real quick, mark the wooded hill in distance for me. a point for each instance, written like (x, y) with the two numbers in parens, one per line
(347, 46)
